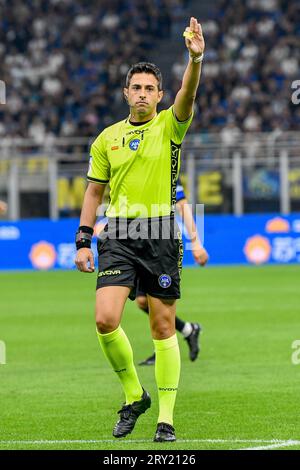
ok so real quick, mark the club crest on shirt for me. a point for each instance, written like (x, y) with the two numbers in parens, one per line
(164, 281)
(134, 144)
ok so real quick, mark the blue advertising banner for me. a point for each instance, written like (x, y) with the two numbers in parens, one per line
(253, 239)
(249, 239)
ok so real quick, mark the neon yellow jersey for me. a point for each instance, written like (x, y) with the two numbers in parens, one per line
(141, 163)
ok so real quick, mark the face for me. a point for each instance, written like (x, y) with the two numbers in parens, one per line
(143, 95)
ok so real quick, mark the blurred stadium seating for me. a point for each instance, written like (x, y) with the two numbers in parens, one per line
(252, 57)
(64, 63)
(64, 60)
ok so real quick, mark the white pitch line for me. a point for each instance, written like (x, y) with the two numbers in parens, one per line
(275, 446)
(271, 442)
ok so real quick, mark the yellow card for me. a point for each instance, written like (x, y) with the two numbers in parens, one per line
(188, 34)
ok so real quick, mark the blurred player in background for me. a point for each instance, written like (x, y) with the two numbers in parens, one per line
(3, 207)
(140, 157)
(190, 331)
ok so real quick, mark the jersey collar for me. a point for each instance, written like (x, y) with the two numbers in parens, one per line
(138, 124)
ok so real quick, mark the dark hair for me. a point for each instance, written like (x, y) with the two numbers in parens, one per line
(144, 67)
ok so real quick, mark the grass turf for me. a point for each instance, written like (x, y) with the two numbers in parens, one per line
(56, 385)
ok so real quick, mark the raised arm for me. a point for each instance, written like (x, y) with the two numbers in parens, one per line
(194, 41)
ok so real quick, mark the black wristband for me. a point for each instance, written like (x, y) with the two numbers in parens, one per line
(84, 237)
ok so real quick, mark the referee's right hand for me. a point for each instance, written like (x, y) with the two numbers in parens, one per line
(85, 260)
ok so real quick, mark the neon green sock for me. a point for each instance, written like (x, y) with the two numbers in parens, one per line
(167, 372)
(118, 351)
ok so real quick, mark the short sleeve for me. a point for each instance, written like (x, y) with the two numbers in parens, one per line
(177, 128)
(99, 168)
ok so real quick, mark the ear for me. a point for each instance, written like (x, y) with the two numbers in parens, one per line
(125, 92)
(160, 95)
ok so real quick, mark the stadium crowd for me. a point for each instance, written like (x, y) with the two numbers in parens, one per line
(63, 62)
(252, 57)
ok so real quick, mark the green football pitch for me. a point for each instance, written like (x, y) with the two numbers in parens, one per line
(58, 392)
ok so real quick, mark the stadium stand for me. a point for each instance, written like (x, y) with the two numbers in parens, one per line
(63, 62)
(252, 57)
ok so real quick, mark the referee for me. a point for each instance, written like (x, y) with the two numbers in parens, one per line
(140, 158)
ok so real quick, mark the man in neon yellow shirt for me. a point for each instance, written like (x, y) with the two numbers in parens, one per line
(140, 158)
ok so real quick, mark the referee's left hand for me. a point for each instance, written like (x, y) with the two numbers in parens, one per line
(200, 254)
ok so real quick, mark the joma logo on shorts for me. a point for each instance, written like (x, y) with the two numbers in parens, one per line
(109, 273)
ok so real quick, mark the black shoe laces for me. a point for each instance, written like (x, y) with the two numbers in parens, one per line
(125, 411)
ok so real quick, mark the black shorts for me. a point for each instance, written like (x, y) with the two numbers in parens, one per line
(140, 289)
(149, 254)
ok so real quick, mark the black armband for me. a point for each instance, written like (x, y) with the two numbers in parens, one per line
(84, 237)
